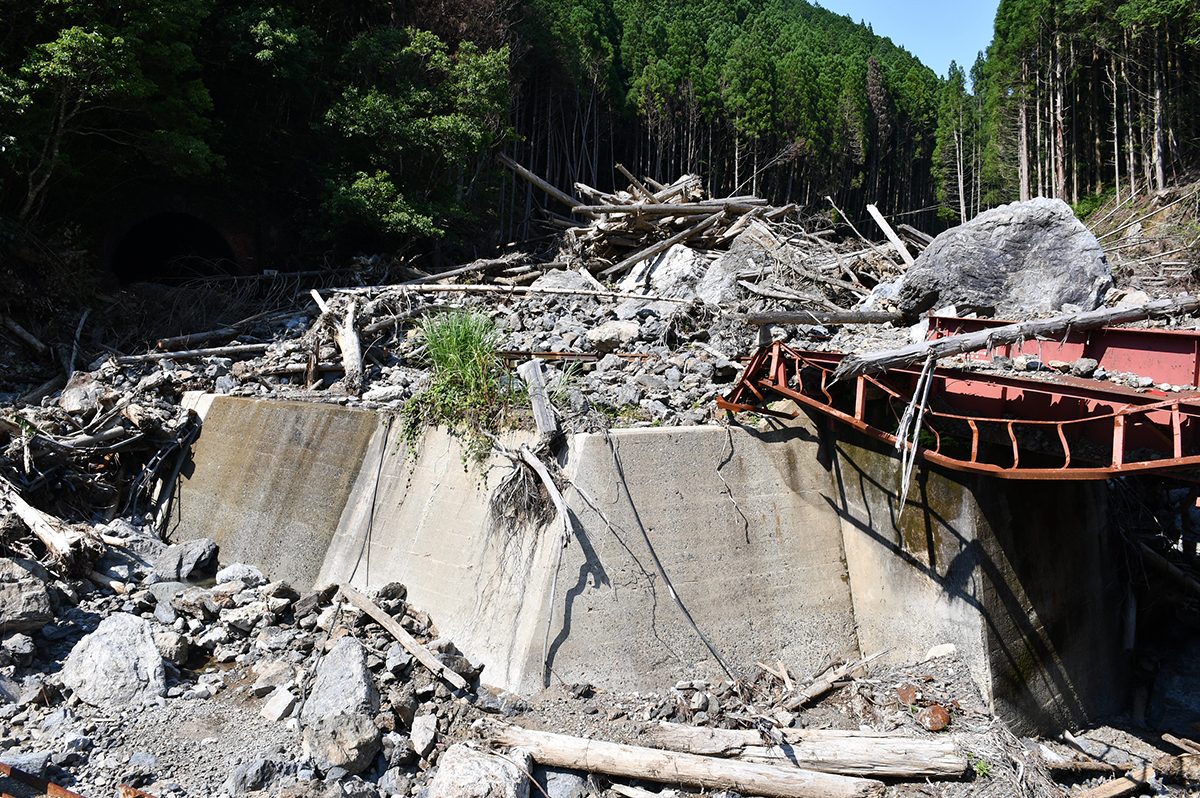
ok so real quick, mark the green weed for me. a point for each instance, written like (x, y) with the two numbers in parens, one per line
(469, 390)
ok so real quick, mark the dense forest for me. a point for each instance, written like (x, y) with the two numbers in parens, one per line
(1075, 99)
(370, 125)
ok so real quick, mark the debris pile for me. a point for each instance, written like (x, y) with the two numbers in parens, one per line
(243, 686)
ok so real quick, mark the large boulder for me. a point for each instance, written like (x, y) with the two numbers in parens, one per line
(24, 600)
(116, 666)
(464, 772)
(1024, 259)
(339, 715)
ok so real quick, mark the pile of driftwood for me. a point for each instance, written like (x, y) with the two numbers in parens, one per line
(97, 452)
(624, 228)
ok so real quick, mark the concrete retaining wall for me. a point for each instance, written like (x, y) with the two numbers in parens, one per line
(1019, 575)
(778, 544)
(268, 480)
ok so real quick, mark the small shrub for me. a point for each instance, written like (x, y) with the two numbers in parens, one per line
(469, 390)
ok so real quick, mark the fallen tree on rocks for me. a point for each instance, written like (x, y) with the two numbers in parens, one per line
(1057, 326)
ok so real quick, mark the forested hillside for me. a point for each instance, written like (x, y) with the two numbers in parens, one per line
(372, 126)
(1075, 98)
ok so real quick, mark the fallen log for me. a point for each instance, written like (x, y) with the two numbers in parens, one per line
(683, 209)
(28, 338)
(663, 245)
(481, 265)
(823, 317)
(193, 354)
(534, 180)
(503, 289)
(849, 753)
(669, 767)
(50, 532)
(543, 411)
(1054, 327)
(1182, 743)
(190, 340)
(1125, 785)
(892, 238)
(637, 185)
(410, 643)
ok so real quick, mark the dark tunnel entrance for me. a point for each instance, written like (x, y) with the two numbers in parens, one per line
(171, 247)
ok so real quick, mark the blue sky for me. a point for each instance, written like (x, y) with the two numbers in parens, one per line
(935, 31)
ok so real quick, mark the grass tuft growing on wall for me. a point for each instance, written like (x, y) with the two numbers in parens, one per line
(469, 391)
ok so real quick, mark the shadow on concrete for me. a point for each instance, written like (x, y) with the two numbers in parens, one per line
(1022, 554)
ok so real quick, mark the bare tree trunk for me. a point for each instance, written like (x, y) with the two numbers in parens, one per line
(1023, 138)
(1159, 178)
(958, 152)
(1116, 130)
(1060, 156)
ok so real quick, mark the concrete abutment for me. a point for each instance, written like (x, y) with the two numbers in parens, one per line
(780, 544)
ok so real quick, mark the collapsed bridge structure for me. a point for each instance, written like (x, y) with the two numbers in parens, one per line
(1046, 426)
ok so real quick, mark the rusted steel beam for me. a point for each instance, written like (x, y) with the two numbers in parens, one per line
(1070, 429)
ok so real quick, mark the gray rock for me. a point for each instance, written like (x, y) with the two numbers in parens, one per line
(464, 772)
(397, 658)
(338, 716)
(82, 394)
(1026, 258)
(117, 665)
(395, 781)
(183, 560)
(33, 763)
(349, 741)
(613, 335)
(171, 645)
(265, 775)
(563, 783)
(562, 280)
(24, 600)
(423, 734)
(754, 247)
(238, 572)
(20, 647)
(1085, 367)
(279, 705)
(271, 674)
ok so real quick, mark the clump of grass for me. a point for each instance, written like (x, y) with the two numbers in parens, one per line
(469, 390)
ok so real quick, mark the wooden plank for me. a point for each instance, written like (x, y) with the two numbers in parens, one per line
(669, 767)
(1126, 785)
(897, 244)
(410, 643)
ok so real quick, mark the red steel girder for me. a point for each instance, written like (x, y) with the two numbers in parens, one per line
(1009, 427)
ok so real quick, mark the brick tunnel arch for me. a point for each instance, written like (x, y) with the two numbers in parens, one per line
(172, 246)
